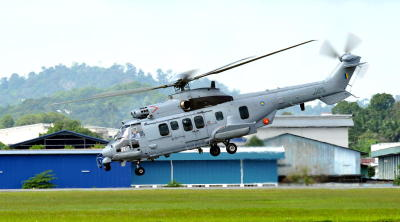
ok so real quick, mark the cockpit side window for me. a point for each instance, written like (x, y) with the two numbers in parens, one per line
(187, 124)
(219, 116)
(164, 131)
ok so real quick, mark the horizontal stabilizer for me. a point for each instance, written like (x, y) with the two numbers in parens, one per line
(335, 98)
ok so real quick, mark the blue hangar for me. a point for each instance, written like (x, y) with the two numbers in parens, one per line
(76, 168)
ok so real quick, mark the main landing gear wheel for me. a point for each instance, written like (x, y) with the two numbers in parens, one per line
(139, 171)
(107, 166)
(215, 150)
(231, 148)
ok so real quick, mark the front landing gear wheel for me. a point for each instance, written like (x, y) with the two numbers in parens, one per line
(231, 148)
(139, 171)
(107, 166)
(215, 150)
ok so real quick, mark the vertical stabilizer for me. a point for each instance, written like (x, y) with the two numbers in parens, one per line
(344, 72)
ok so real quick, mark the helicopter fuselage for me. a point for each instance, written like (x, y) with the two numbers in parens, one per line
(170, 127)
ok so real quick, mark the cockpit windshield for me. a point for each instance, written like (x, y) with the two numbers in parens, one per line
(120, 133)
(135, 132)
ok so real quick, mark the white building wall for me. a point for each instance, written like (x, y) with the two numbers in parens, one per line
(334, 135)
(105, 132)
(22, 133)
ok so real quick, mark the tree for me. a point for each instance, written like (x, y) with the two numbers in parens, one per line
(396, 181)
(255, 141)
(40, 181)
(381, 102)
(72, 125)
(345, 107)
(286, 113)
(6, 121)
(378, 122)
(3, 146)
(371, 171)
(50, 117)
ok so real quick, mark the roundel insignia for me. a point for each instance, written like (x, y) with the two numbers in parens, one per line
(262, 103)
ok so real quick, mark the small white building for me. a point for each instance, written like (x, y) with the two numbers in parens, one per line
(22, 133)
(333, 129)
(388, 155)
(105, 132)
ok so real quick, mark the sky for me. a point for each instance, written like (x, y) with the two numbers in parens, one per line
(185, 35)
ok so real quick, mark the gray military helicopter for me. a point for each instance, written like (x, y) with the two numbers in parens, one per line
(195, 118)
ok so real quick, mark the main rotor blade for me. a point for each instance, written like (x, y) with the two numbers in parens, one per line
(328, 50)
(246, 60)
(352, 42)
(116, 93)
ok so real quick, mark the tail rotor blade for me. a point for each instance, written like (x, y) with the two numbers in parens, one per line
(362, 70)
(328, 50)
(352, 42)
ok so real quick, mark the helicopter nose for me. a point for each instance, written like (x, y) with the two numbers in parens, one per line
(107, 152)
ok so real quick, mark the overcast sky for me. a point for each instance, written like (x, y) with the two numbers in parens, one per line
(182, 35)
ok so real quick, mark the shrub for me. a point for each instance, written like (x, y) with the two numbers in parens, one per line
(40, 181)
(69, 147)
(301, 178)
(173, 183)
(98, 146)
(396, 181)
(4, 146)
(255, 141)
(36, 147)
(371, 171)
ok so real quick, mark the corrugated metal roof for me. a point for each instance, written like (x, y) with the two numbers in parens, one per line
(50, 152)
(60, 132)
(289, 121)
(318, 141)
(386, 152)
(269, 153)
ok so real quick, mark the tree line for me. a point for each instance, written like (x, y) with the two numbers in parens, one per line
(377, 122)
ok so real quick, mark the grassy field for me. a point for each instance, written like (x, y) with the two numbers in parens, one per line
(203, 205)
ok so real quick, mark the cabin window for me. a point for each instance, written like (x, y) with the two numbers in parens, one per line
(219, 116)
(174, 125)
(199, 122)
(187, 124)
(244, 112)
(164, 131)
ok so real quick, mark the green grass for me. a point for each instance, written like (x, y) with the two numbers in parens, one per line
(203, 205)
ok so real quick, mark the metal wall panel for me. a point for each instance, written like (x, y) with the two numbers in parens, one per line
(388, 167)
(317, 157)
(157, 172)
(347, 162)
(72, 171)
(207, 171)
(258, 171)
